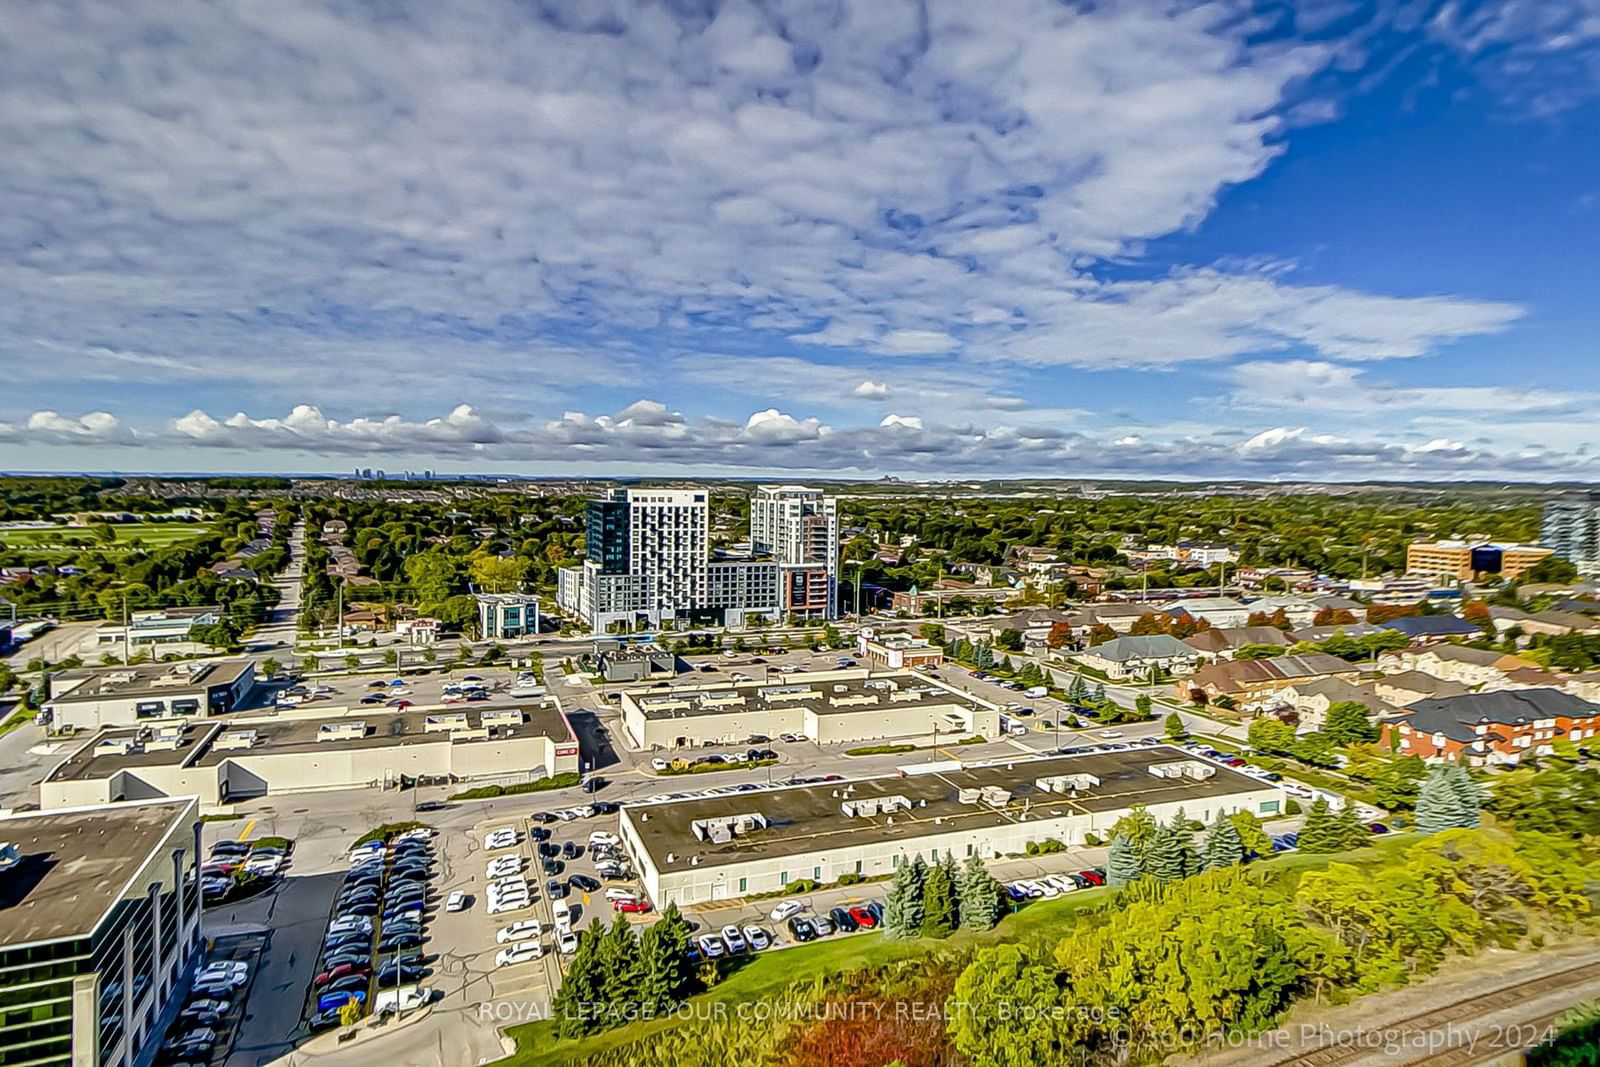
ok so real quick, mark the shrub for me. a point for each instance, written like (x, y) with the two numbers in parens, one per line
(539, 785)
(386, 831)
(1093, 840)
(1292, 808)
(1048, 845)
(850, 878)
(801, 885)
(879, 750)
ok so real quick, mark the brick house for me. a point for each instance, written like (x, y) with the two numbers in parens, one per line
(1491, 728)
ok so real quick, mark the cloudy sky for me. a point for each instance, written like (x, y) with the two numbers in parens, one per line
(1326, 238)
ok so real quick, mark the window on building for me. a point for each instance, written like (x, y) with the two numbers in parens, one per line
(783, 877)
(743, 884)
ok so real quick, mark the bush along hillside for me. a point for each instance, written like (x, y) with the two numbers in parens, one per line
(1108, 977)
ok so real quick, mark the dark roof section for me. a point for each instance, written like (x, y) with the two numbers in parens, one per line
(1432, 626)
(1455, 717)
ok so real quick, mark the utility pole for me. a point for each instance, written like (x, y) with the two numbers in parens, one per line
(338, 615)
(127, 639)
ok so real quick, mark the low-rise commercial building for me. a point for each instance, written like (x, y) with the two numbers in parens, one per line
(502, 616)
(635, 663)
(157, 627)
(830, 707)
(1491, 728)
(897, 651)
(307, 751)
(1137, 657)
(99, 925)
(89, 698)
(716, 848)
(1219, 611)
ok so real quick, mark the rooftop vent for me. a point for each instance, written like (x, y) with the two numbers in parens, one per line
(234, 739)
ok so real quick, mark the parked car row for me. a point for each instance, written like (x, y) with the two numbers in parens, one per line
(202, 1025)
(839, 920)
(229, 860)
(1053, 885)
(377, 930)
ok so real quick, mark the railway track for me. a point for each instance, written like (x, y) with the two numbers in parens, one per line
(1455, 1027)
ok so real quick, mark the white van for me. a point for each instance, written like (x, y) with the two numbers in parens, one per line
(402, 998)
(562, 912)
(1036, 692)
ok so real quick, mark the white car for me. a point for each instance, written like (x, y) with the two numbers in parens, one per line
(503, 838)
(420, 833)
(566, 942)
(1047, 889)
(366, 853)
(621, 894)
(659, 764)
(733, 938)
(785, 910)
(402, 999)
(711, 947)
(757, 938)
(520, 931)
(351, 922)
(500, 907)
(1062, 882)
(457, 901)
(520, 953)
(502, 867)
(1110, 734)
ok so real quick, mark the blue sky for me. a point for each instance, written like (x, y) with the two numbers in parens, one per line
(1329, 239)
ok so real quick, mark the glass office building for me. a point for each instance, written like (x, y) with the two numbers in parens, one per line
(99, 923)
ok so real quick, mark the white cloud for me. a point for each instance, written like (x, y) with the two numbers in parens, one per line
(870, 390)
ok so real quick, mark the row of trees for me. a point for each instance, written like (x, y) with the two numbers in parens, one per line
(1142, 847)
(932, 900)
(618, 975)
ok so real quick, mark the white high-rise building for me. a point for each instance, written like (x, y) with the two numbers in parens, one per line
(799, 528)
(1571, 529)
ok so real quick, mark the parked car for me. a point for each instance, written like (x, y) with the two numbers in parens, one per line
(457, 901)
(842, 920)
(711, 946)
(757, 938)
(631, 906)
(566, 942)
(391, 974)
(522, 952)
(335, 1001)
(801, 929)
(821, 925)
(863, 917)
(519, 931)
(786, 910)
(583, 883)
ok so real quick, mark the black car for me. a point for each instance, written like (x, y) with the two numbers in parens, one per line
(325, 1020)
(334, 942)
(549, 849)
(412, 872)
(802, 929)
(360, 957)
(876, 907)
(350, 983)
(553, 867)
(606, 807)
(557, 888)
(571, 850)
(392, 975)
(584, 883)
(366, 909)
(196, 1045)
(400, 941)
(757, 739)
(432, 805)
(358, 896)
(843, 920)
(542, 817)
(191, 1017)
(1079, 881)
(539, 833)
(409, 959)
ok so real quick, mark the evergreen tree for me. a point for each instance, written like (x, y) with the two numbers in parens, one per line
(1223, 845)
(1348, 829)
(1183, 833)
(1100, 692)
(1077, 690)
(1441, 805)
(979, 895)
(580, 998)
(964, 650)
(621, 969)
(663, 952)
(902, 906)
(1469, 795)
(1005, 665)
(1317, 833)
(938, 902)
(1165, 861)
(983, 655)
(1124, 864)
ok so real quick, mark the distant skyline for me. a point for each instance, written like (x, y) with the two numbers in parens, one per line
(1321, 240)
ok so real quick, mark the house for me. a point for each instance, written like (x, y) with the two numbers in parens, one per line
(360, 620)
(1586, 685)
(1219, 611)
(1423, 629)
(1322, 633)
(232, 568)
(1119, 617)
(1488, 728)
(1559, 623)
(1033, 624)
(1253, 683)
(1471, 667)
(1223, 644)
(1408, 687)
(1526, 678)
(1311, 700)
(1298, 610)
(1137, 657)
(1330, 602)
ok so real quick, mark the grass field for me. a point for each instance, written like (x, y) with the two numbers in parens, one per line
(766, 975)
(57, 540)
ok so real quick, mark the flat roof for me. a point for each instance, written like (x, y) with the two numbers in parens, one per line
(148, 679)
(75, 865)
(809, 818)
(197, 745)
(814, 692)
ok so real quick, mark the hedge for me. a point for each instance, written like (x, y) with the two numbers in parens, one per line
(702, 768)
(386, 831)
(489, 792)
(879, 750)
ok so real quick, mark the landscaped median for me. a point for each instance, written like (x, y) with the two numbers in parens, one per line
(538, 785)
(893, 750)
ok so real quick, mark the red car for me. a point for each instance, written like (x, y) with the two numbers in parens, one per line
(631, 905)
(1092, 877)
(864, 918)
(401, 704)
(344, 970)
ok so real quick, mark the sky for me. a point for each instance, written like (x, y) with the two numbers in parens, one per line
(1326, 239)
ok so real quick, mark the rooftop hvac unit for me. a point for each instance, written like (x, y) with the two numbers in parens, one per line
(1192, 769)
(1067, 783)
(341, 731)
(235, 739)
(115, 746)
(996, 797)
(865, 807)
(969, 795)
(894, 803)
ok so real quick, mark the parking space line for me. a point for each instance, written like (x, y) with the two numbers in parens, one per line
(244, 835)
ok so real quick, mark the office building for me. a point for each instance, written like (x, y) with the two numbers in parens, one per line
(896, 651)
(88, 698)
(1464, 560)
(157, 627)
(798, 527)
(304, 751)
(507, 615)
(1571, 529)
(99, 924)
(829, 707)
(735, 845)
(647, 561)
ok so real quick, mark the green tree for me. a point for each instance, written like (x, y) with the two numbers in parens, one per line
(620, 966)
(1124, 865)
(498, 574)
(1271, 736)
(432, 576)
(938, 903)
(1317, 833)
(1252, 835)
(269, 669)
(1007, 982)
(667, 977)
(1315, 748)
(1399, 785)
(579, 998)
(1349, 723)
(979, 895)
(1223, 846)
(902, 905)
(1176, 732)
(1348, 829)
(1166, 860)
(1250, 652)
(1443, 803)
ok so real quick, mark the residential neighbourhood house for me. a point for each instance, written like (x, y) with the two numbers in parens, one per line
(1491, 728)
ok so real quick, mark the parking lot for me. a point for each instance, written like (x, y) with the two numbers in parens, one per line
(421, 686)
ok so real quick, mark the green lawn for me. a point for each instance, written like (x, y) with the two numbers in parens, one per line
(49, 540)
(770, 973)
